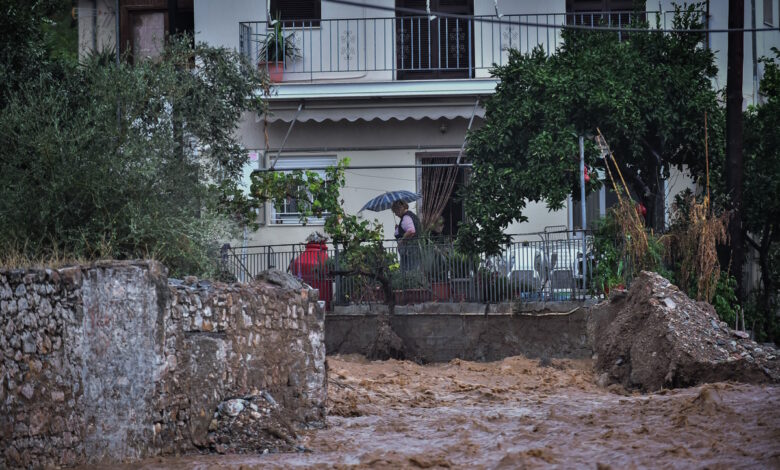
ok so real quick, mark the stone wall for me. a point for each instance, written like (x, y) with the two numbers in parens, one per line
(112, 362)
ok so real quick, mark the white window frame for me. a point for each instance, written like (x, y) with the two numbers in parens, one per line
(769, 19)
(317, 163)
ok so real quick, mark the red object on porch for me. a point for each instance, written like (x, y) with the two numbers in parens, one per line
(311, 267)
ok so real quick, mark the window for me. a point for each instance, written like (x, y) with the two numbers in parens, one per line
(297, 12)
(147, 30)
(591, 12)
(287, 211)
(144, 25)
(769, 14)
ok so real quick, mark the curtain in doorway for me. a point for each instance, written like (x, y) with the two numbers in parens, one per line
(437, 185)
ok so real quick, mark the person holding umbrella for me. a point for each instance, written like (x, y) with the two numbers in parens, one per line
(406, 232)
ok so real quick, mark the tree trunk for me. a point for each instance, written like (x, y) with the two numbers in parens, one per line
(766, 279)
(656, 205)
(734, 137)
(653, 200)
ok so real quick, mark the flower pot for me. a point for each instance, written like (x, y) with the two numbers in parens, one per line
(441, 291)
(275, 70)
(411, 296)
(461, 289)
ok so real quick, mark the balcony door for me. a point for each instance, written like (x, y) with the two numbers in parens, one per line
(438, 48)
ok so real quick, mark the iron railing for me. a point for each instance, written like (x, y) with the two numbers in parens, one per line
(414, 47)
(533, 267)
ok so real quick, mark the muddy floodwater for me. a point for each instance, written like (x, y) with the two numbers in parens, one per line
(520, 413)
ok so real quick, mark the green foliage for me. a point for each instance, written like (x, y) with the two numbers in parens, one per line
(764, 327)
(762, 156)
(648, 95)
(404, 280)
(614, 265)
(362, 252)
(24, 51)
(761, 206)
(127, 161)
(610, 268)
(61, 33)
(277, 46)
(725, 298)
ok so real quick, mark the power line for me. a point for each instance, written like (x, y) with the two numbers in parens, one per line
(483, 19)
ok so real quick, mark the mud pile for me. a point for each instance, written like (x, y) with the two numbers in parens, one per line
(659, 338)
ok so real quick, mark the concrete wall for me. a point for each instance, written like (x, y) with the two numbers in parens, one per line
(475, 336)
(110, 362)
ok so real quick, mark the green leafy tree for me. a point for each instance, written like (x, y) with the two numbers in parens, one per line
(648, 94)
(127, 161)
(25, 52)
(761, 211)
(361, 251)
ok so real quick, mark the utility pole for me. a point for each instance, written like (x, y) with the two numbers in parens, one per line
(734, 137)
(584, 214)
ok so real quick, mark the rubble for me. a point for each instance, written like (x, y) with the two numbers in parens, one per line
(251, 424)
(657, 337)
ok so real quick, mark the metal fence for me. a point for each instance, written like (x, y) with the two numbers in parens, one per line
(408, 47)
(533, 267)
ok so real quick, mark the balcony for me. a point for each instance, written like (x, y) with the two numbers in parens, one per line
(413, 47)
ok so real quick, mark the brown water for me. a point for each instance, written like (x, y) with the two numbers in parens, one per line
(517, 414)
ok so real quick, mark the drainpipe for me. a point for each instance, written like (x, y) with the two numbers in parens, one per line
(584, 211)
(116, 14)
(755, 59)
(707, 24)
(94, 25)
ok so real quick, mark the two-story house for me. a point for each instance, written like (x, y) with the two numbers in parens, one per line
(389, 88)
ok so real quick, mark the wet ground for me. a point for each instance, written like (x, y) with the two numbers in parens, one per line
(520, 413)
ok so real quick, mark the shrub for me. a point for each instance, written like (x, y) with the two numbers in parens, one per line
(127, 161)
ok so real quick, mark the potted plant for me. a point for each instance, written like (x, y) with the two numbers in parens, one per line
(409, 287)
(277, 49)
(462, 276)
(436, 267)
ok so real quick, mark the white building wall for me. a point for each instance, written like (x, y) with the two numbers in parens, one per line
(403, 141)
(216, 23)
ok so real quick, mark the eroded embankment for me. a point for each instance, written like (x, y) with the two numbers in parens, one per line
(518, 413)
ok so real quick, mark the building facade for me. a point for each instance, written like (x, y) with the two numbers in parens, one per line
(388, 88)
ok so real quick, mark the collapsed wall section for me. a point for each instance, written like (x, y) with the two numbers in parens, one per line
(111, 362)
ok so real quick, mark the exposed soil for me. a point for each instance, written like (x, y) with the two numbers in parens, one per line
(521, 413)
(658, 337)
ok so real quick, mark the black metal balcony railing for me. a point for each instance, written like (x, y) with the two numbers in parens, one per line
(534, 267)
(416, 47)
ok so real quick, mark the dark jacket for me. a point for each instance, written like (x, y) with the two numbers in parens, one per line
(415, 220)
